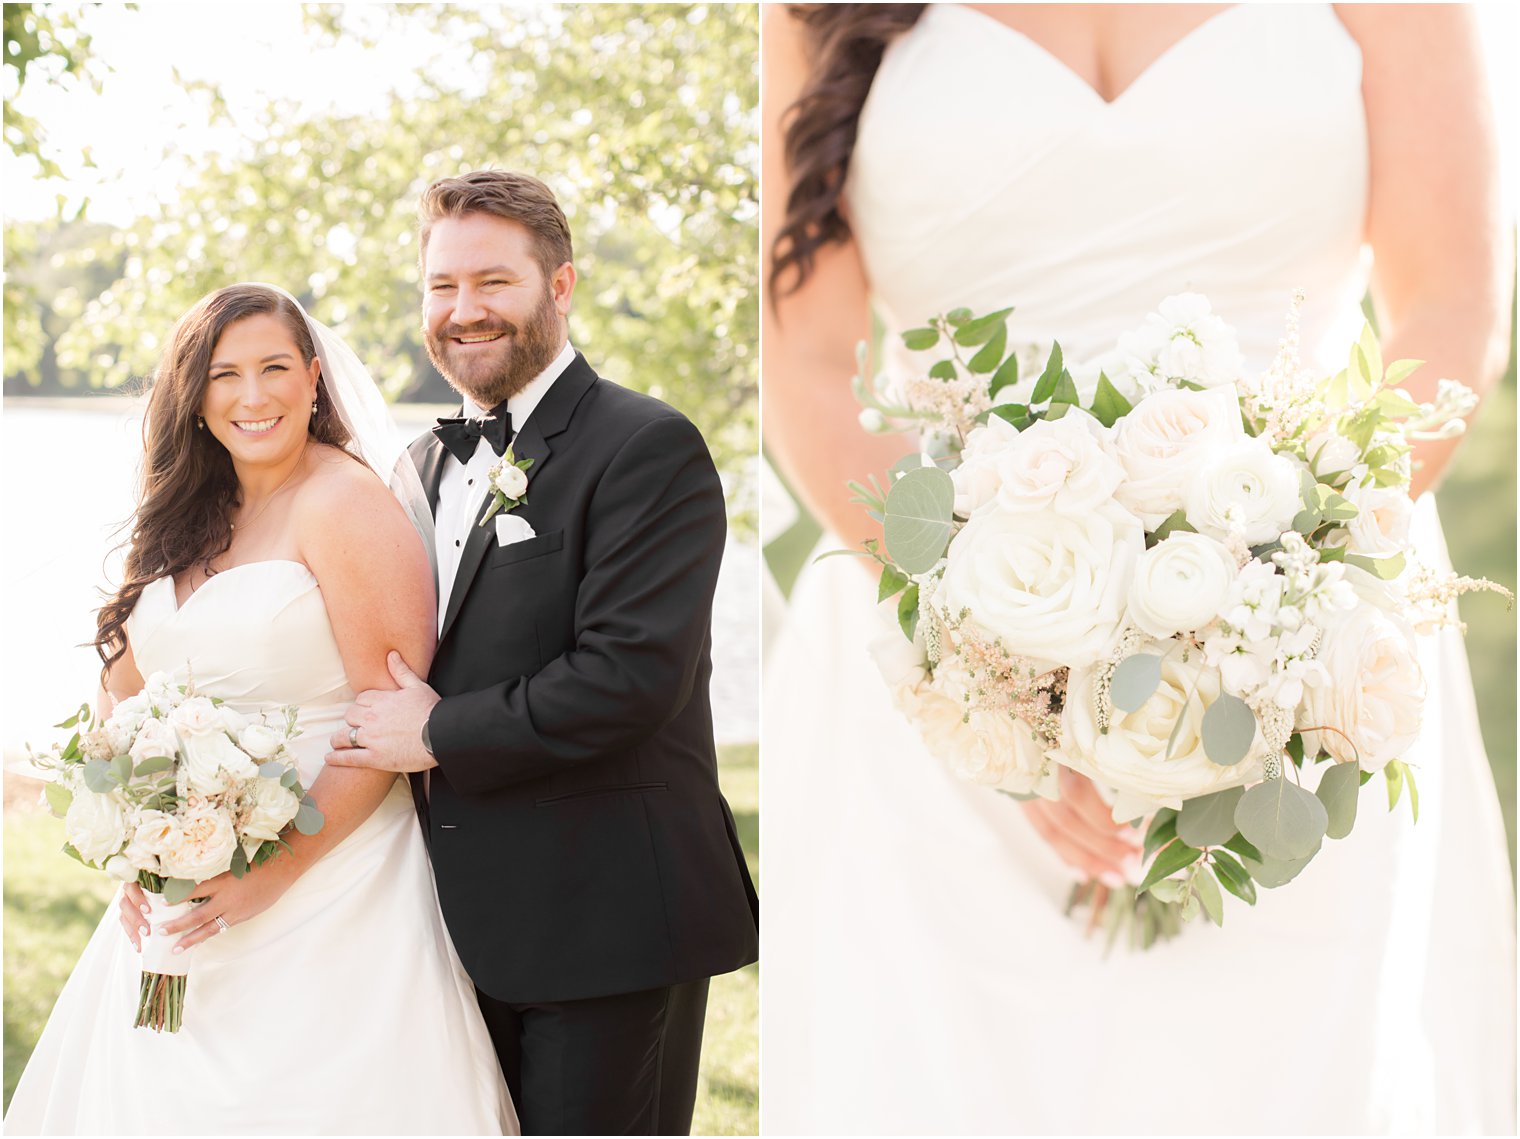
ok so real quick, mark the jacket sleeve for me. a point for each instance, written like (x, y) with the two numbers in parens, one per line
(655, 532)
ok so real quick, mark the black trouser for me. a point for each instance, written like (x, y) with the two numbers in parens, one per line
(619, 1065)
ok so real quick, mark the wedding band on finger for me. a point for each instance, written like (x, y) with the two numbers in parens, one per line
(221, 923)
(353, 736)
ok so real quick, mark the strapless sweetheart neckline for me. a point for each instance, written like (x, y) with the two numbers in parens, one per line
(1161, 62)
(179, 606)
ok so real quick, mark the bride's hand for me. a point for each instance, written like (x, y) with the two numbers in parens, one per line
(234, 900)
(1080, 828)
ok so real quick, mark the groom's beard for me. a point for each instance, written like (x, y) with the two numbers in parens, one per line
(504, 367)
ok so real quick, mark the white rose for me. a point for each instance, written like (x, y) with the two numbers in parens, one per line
(1160, 443)
(976, 478)
(271, 809)
(904, 664)
(1245, 487)
(1059, 464)
(1184, 341)
(1375, 694)
(511, 480)
(994, 749)
(154, 738)
(1050, 585)
(1381, 526)
(124, 721)
(204, 850)
(261, 741)
(120, 867)
(213, 763)
(1333, 457)
(155, 834)
(162, 691)
(197, 715)
(1180, 584)
(95, 825)
(1132, 757)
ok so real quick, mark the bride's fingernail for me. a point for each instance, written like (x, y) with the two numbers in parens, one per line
(179, 949)
(142, 929)
(144, 909)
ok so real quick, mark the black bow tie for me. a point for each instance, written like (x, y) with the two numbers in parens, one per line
(460, 435)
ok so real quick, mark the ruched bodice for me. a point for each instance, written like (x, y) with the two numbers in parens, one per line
(1240, 174)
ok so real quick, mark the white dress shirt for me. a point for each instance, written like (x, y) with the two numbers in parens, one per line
(462, 489)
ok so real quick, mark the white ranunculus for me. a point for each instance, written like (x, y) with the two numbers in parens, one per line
(1059, 464)
(261, 741)
(511, 480)
(120, 867)
(994, 749)
(95, 825)
(1050, 585)
(272, 808)
(154, 738)
(1160, 443)
(1180, 584)
(976, 478)
(213, 763)
(204, 850)
(1375, 694)
(1244, 487)
(1381, 526)
(1132, 757)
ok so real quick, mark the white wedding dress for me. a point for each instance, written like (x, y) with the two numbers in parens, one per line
(920, 975)
(341, 1009)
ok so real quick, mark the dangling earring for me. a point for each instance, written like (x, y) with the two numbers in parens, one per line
(200, 423)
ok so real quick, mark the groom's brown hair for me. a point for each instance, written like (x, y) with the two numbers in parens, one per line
(505, 194)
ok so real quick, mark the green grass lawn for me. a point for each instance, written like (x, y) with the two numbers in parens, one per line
(52, 904)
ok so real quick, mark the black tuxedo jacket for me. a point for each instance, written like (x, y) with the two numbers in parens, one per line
(580, 842)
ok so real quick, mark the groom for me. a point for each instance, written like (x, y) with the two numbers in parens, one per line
(587, 864)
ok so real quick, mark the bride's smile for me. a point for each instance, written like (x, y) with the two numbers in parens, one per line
(259, 392)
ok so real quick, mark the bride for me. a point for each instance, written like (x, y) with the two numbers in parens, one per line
(267, 559)
(1081, 163)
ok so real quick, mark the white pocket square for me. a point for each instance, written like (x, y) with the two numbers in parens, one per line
(512, 528)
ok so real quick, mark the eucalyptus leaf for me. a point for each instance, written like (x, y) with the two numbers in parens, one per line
(1282, 820)
(1271, 873)
(121, 770)
(272, 770)
(1006, 375)
(1134, 681)
(1209, 896)
(1177, 725)
(176, 890)
(1209, 820)
(1171, 859)
(1337, 790)
(290, 778)
(154, 764)
(1229, 729)
(1233, 876)
(990, 355)
(97, 776)
(918, 518)
(1174, 522)
(920, 339)
(907, 463)
(308, 819)
(907, 611)
(239, 861)
(58, 798)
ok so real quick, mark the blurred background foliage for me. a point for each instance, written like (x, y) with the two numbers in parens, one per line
(641, 118)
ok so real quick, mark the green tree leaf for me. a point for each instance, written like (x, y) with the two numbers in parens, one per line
(154, 764)
(891, 583)
(1162, 830)
(990, 355)
(907, 611)
(1207, 890)
(1109, 406)
(1170, 860)
(58, 798)
(920, 339)
(1006, 375)
(1045, 386)
(1233, 876)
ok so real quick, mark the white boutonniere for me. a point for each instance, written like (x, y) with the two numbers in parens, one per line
(508, 481)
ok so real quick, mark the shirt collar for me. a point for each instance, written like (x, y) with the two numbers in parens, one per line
(521, 405)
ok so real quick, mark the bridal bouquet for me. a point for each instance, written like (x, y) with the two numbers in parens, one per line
(172, 789)
(1188, 585)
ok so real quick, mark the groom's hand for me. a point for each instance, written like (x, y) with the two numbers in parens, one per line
(385, 728)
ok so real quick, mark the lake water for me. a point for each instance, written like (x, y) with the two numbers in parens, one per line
(69, 469)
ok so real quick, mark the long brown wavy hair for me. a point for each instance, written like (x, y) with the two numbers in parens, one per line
(189, 488)
(845, 43)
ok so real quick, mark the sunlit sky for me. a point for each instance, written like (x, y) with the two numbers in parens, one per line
(259, 51)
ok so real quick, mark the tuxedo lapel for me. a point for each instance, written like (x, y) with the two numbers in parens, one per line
(549, 418)
(428, 455)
